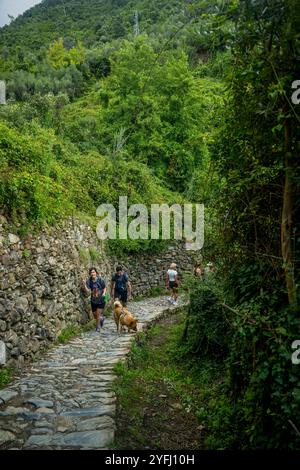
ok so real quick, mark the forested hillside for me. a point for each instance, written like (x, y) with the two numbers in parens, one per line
(181, 101)
(99, 22)
(121, 101)
(92, 21)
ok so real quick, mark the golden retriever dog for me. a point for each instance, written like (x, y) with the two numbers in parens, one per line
(123, 317)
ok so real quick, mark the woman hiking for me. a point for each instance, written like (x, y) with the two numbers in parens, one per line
(95, 284)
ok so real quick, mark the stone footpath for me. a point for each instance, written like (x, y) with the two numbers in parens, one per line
(65, 400)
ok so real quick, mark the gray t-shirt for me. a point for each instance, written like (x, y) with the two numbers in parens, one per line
(172, 274)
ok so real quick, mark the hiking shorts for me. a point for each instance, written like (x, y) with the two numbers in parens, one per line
(173, 285)
(96, 306)
(121, 295)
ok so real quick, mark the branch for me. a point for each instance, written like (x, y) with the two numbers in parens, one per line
(294, 427)
(229, 308)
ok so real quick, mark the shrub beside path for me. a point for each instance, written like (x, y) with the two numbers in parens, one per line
(65, 401)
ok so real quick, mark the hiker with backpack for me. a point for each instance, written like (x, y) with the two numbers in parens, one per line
(95, 285)
(120, 286)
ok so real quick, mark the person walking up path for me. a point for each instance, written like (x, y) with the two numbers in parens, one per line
(96, 285)
(120, 286)
(172, 283)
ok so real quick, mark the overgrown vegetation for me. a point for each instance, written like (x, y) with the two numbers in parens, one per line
(89, 120)
(72, 330)
(5, 376)
(68, 333)
(259, 397)
(160, 396)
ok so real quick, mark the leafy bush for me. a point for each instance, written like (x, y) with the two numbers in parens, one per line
(28, 193)
(258, 404)
(33, 197)
(67, 333)
(5, 376)
(22, 85)
(265, 384)
(207, 327)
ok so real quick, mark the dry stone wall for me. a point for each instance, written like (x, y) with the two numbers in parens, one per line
(40, 282)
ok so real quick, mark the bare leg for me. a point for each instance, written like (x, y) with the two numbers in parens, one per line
(174, 295)
(99, 313)
(96, 316)
(101, 317)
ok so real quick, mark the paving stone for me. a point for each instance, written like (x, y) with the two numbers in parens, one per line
(39, 403)
(12, 410)
(39, 440)
(40, 431)
(92, 439)
(43, 424)
(6, 436)
(6, 395)
(95, 411)
(45, 410)
(95, 423)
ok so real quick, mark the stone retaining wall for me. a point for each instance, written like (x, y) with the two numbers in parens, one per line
(40, 282)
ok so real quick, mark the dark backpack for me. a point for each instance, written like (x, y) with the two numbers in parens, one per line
(121, 282)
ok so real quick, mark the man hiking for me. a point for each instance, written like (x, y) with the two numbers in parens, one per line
(120, 286)
(95, 284)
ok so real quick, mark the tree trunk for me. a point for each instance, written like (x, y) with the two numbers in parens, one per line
(286, 222)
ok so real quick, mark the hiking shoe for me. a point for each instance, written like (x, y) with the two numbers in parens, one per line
(174, 302)
(97, 330)
(169, 299)
(101, 321)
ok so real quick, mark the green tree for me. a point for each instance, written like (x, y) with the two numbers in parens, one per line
(57, 54)
(161, 107)
(60, 57)
(258, 212)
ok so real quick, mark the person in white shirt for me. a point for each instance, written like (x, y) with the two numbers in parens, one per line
(172, 283)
